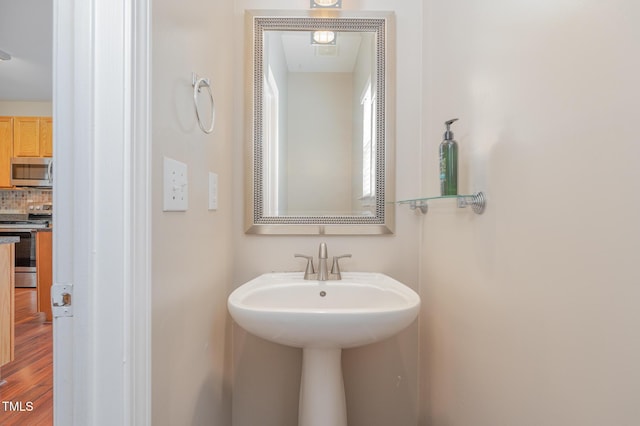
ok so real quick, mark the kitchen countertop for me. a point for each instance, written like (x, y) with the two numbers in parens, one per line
(9, 240)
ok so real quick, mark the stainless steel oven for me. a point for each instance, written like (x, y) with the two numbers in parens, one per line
(25, 226)
(25, 261)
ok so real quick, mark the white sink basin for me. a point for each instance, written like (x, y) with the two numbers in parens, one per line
(323, 317)
(361, 308)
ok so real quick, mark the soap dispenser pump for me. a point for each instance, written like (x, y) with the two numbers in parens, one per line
(449, 162)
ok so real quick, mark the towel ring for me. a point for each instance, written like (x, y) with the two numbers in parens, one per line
(199, 82)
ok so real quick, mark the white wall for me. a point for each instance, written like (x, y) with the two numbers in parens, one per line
(381, 379)
(191, 260)
(531, 310)
(28, 109)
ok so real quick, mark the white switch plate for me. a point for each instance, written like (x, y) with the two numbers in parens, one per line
(175, 186)
(213, 191)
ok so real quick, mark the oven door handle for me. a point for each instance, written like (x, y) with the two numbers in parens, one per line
(50, 172)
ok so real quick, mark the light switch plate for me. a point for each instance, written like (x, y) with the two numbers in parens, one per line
(175, 186)
(213, 191)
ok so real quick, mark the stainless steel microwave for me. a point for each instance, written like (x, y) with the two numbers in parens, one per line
(32, 171)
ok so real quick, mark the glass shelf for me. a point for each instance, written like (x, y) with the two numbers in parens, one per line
(476, 201)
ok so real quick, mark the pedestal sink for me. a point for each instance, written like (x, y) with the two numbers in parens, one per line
(322, 318)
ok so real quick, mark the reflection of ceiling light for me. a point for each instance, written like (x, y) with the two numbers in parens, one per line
(4, 56)
(315, 4)
(323, 38)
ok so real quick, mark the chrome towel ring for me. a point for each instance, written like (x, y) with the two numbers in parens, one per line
(199, 82)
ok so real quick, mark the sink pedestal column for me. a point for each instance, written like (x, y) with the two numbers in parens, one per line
(322, 400)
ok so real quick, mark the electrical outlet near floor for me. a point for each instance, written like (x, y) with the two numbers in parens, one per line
(175, 186)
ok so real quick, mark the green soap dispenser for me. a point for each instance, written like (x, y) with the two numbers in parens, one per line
(449, 162)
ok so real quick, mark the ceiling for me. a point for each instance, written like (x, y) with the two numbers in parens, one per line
(26, 33)
(301, 56)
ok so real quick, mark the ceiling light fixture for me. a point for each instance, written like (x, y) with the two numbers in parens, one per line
(4, 56)
(323, 38)
(324, 4)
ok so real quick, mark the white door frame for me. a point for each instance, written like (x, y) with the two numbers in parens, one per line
(102, 198)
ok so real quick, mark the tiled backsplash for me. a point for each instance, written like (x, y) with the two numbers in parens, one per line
(18, 199)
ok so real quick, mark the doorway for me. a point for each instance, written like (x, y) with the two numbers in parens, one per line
(101, 345)
(26, 90)
(102, 200)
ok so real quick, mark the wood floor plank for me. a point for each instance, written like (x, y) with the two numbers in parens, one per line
(27, 398)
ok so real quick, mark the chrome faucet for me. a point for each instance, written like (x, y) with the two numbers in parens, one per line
(323, 268)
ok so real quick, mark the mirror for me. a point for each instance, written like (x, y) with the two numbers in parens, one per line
(319, 124)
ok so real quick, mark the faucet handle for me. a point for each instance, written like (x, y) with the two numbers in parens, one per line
(309, 269)
(335, 267)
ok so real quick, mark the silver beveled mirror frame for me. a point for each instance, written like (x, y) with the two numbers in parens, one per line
(380, 23)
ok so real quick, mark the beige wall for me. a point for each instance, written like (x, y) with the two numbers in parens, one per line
(28, 109)
(381, 379)
(531, 310)
(191, 260)
(319, 137)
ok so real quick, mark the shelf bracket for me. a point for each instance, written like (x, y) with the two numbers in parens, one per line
(477, 202)
(421, 205)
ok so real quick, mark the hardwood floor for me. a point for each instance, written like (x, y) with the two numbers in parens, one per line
(27, 397)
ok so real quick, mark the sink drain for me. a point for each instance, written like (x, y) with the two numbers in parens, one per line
(323, 293)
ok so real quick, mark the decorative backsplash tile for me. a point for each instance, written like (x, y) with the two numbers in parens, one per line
(18, 199)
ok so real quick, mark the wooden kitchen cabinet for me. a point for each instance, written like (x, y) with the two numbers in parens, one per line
(32, 137)
(7, 303)
(6, 150)
(26, 136)
(44, 266)
(46, 137)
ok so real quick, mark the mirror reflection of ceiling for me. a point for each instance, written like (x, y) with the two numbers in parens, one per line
(26, 33)
(301, 56)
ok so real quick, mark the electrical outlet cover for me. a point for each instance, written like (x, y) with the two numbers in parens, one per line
(213, 191)
(175, 186)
